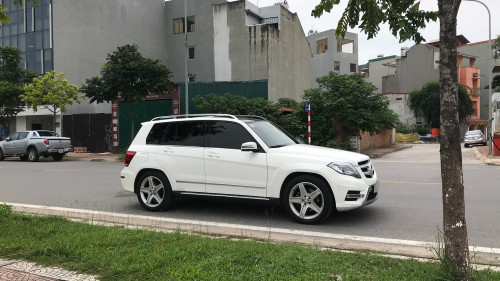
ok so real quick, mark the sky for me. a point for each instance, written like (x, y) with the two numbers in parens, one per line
(472, 23)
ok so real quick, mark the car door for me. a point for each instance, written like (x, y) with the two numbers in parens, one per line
(21, 143)
(228, 170)
(10, 145)
(181, 155)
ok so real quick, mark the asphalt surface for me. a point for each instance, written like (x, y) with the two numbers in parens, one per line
(409, 206)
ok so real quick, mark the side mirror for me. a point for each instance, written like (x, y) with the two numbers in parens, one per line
(249, 146)
(7, 139)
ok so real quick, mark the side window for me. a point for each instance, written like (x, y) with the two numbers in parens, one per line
(14, 136)
(227, 135)
(156, 134)
(23, 135)
(187, 133)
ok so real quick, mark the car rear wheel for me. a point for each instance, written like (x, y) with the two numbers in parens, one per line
(154, 191)
(33, 155)
(308, 199)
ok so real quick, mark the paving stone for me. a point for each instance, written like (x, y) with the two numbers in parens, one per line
(20, 270)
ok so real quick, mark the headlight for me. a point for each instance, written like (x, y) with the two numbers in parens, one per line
(344, 168)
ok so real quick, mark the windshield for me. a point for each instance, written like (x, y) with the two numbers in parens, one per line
(271, 134)
(473, 133)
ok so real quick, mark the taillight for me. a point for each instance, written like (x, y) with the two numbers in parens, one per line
(46, 142)
(128, 157)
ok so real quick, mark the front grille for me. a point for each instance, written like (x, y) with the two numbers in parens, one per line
(367, 168)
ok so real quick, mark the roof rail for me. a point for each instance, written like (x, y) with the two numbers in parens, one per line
(194, 116)
(250, 117)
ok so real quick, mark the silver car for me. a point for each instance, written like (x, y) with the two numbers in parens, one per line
(474, 137)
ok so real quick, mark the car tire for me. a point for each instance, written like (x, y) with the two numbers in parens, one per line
(57, 156)
(23, 158)
(2, 156)
(466, 145)
(154, 191)
(33, 155)
(308, 199)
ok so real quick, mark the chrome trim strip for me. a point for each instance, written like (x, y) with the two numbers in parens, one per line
(224, 195)
(223, 184)
(236, 185)
(195, 182)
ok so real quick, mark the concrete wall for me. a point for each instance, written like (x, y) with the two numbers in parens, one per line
(202, 39)
(262, 51)
(379, 68)
(482, 52)
(84, 32)
(323, 63)
(414, 70)
(385, 138)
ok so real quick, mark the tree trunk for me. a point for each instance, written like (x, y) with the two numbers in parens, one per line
(455, 228)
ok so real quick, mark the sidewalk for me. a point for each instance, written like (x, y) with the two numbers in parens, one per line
(481, 153)
(16, 270)
(93, 157)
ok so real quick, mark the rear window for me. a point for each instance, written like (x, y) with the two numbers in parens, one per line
(45, 133)
(186, 133)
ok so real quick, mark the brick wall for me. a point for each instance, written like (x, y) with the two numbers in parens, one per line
(385, 138)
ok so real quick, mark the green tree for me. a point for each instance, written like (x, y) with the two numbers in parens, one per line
(129, 76)
(425, 102)
(12, 77)
(51, 91)
(351, 103)
(3, 10)
(496, 47)
(405, 20)
(237, 105)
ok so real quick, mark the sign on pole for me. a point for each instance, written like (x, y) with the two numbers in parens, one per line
(308, 109)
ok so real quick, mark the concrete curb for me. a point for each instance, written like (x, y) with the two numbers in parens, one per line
(407, 248)
(485, 158)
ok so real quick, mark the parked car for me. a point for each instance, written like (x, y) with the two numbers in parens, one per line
(243, 157)
(474, 137)
(30, 145)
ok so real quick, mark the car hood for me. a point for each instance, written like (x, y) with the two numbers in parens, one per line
(319, 153)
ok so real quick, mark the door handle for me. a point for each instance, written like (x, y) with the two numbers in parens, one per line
(213, 155)
(168, 150)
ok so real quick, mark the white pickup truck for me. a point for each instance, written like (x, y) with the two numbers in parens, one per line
(30, 145)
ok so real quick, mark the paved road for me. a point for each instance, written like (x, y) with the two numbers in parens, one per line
(409, 206)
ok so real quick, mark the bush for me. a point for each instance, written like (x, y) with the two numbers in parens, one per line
(402, 128)
(423, 131)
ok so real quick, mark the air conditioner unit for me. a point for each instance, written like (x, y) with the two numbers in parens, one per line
(475, 74)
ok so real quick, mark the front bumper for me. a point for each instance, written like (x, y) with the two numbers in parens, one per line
(476, 141)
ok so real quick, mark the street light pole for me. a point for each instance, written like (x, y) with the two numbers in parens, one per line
(490, 59)
(186, 51)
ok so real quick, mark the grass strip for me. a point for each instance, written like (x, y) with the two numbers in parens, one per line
(117, 253)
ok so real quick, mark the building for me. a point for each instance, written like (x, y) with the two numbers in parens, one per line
(330, 53)
(227, 42)
(238, 41)
(74, 37)
(482, 53)
(419, 65)
(378, 68)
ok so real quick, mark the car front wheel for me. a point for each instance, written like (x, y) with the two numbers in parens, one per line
(2, 156)
(154, 191)
(308, 199)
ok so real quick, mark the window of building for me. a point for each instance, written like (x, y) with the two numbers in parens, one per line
(268, 20)
(336, 65)
(321, 46)
(227, 135)
(179, 25)
(191, 53)
(345, 46)
(353, 67)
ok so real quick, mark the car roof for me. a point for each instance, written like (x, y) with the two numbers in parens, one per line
(473, 132)
(207, 116)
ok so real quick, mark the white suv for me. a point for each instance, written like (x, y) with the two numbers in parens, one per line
(243, 157)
